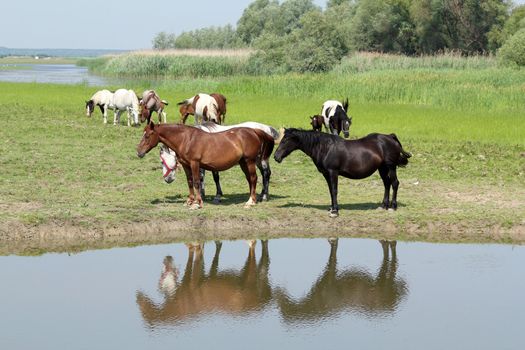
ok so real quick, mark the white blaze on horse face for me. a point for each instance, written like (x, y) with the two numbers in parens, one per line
(168, 159)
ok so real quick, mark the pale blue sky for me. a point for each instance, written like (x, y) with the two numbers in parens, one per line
(109, 24)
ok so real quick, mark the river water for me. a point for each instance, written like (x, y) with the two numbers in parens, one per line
(50, 73)
(283, 294)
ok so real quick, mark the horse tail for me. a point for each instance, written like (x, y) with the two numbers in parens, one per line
(403, 159)
(164, 101)
(267, 144)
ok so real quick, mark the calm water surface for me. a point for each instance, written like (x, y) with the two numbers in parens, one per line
(284, 294)
(50, 73)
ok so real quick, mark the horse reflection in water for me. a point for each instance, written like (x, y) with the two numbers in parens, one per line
(353, 289)
(234, 292)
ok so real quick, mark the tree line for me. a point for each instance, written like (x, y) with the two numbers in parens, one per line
(299, 36)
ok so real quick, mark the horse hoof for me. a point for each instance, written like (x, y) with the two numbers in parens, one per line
(334, 214)
(195, 206)
(216, 200)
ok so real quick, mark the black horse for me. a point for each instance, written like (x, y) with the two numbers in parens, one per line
(354, 159)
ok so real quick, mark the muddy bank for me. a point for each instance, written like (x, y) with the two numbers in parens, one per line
(18, 238)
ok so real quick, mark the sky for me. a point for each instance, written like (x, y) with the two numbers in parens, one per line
(110, 24)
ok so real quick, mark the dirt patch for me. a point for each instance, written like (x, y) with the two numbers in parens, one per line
(19, 238)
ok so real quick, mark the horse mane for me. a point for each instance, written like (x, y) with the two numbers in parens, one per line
(310, 139)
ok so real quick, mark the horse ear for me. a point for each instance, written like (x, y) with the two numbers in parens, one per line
(312, 118)
(152, 125)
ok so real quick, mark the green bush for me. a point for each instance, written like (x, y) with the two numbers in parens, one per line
(513, 51)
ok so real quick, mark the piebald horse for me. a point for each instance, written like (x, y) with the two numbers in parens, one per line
(335, 117)
(168, 158)
(151, 102)
(126, 100)
(220, 151)
(204, 107)
(104, 100)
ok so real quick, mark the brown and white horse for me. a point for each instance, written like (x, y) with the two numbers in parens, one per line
(204, 107)
(220, 151)
(151, 102)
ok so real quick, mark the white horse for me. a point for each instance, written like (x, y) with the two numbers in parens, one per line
(103, 99)
(126, 100)
(168, 157)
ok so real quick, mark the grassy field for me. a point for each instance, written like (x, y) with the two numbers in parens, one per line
(63, 174)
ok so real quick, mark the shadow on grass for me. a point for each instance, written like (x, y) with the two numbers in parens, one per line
(228, 199)
(347, 206)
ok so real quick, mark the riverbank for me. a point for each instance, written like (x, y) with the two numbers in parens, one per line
(68, 181)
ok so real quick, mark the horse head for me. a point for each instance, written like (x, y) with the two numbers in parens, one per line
(145, 114)
(185, 109)
(168, 159)
(317, 122)
(90, 107)
(149, 140)
(288, 144)
(341, 121)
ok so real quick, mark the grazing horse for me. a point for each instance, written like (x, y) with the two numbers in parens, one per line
(104, 100)
(347, 289)
(317, 122)
(204, 107)
(211, 151)
(199, 293)
(354, 159)
(336, 118)
(169, 158)
(149, 103)
(126, 100)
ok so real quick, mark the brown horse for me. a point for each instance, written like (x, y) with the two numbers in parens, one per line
(317, 122)
(150, 103)
(220, 151)
(211, 107)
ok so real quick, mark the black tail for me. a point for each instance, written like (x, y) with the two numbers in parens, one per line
(403, 159)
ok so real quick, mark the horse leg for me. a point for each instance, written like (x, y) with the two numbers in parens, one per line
(218, 195)
(195, 171)
(384, 173)
(332, 177)
(392, 174)
(202, 172)
(116, 119)
(264, 168)
(189, 178)
(129, 116)
(249, 170)
(105, 114)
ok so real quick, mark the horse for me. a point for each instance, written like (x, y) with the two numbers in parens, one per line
(104, 100)
(204, 107)
(126, 100)
(336, 118)
(149, 103)
(198, 293)
(220, 151)
(354, 159)
(169, 159)
(346, 289)
(317, 122)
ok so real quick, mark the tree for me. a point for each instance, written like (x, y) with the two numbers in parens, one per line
(162, 41)
(384, 26)
(254, 19)
(513, 51)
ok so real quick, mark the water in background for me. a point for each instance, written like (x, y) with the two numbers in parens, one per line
(50, 73)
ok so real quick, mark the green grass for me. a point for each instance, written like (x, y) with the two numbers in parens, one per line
(466, 132)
